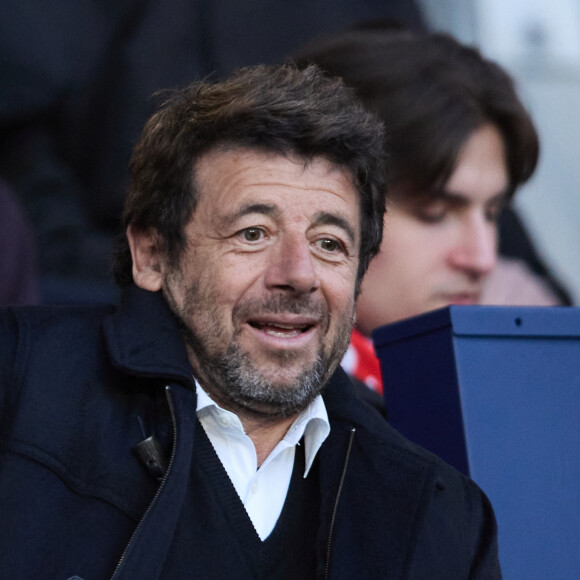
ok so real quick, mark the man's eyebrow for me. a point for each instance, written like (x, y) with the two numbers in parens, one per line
(460, 199)
(330, 219)
(447, 197)
(250, 208)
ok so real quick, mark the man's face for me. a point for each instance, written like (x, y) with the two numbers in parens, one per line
(265, 288)
(439, 252)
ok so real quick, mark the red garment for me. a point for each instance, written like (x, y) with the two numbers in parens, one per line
(361, 362)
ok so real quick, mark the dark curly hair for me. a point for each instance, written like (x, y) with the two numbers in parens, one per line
(278, 109)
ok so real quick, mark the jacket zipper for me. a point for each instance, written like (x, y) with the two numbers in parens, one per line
(161, 485)
(335, 509)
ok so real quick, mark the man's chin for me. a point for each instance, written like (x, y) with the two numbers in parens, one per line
(263, 388)
(282, 399)
(283, 370)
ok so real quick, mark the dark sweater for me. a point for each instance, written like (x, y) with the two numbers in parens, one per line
(233, 549)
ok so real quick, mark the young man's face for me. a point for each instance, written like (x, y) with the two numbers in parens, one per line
(439, 252)
(265, 287)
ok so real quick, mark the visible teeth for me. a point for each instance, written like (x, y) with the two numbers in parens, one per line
(282, 334)
(281, 325)
(281, 329)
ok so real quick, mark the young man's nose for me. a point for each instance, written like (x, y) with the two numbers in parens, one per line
(476, 247)
(291, 266)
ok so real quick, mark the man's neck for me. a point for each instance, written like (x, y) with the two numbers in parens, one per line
(265, 436)
(265, 430)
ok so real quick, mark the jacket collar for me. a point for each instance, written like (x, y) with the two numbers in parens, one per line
(143, 337)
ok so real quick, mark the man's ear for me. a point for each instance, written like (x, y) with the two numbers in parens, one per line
(148, 263)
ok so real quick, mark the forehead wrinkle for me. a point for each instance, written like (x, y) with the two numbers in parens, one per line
(250, 208)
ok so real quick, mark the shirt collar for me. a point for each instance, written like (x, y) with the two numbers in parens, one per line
(312, 424)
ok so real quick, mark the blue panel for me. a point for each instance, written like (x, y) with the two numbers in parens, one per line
(496, 392)
(425, 414)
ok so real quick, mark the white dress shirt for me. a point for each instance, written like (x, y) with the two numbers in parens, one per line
(262, 490)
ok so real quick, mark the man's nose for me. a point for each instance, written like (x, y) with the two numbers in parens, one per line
(476, 248)
(291, 266)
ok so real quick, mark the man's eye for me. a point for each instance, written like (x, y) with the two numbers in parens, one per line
(330, 245)
(252, 234)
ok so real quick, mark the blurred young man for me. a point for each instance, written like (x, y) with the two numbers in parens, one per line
(459, 142)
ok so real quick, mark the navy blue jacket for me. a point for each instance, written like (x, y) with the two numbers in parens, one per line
(81, 386)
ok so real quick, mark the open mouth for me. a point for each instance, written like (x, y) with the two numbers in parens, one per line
(281, 330)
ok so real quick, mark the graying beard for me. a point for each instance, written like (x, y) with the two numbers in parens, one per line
(248, 387)
(239, 379)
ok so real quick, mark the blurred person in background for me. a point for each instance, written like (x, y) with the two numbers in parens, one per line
(459, 142)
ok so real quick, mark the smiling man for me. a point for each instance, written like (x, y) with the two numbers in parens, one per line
(265, 289)
(204, 428)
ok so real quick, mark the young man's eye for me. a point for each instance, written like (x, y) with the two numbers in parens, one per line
(252, 234)
(431, 215)
(432, 212)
